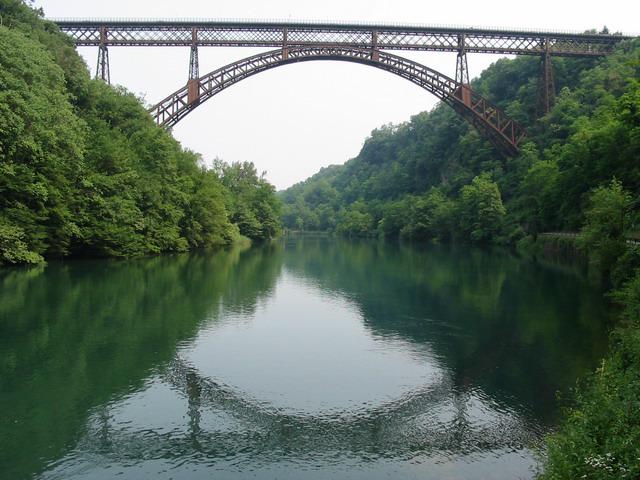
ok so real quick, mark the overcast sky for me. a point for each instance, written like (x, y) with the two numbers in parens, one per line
(293, 120)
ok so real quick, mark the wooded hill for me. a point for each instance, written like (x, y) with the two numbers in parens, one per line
(435, 177)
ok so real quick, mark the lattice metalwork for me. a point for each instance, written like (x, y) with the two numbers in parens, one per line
(505, 133)
(194, 63)
(275, 34)
(547, 89)
(102, 67)
(462, 67)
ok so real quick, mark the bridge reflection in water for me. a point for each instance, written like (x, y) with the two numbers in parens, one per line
(301, 358)
(434, 419)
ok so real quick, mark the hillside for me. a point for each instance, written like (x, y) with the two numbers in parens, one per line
(426, 178)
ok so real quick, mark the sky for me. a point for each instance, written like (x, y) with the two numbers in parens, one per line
(293, 120)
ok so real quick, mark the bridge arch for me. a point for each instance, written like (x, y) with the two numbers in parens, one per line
(503, 132)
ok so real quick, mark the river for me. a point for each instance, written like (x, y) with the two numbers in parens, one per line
(307, 358)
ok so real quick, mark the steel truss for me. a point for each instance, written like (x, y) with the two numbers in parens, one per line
(300, 34)
(362, 43)
(505, 133)
(102, 67)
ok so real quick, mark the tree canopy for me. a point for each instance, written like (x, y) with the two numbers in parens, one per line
(84, 170)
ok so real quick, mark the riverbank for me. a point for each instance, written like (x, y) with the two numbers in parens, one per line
(599, 437)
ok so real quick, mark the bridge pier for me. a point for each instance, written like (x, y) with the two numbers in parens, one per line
(462, 67)
(375, 53)
(102, 68)
(193, 84)
(194, 66)
(285, 44)
(547, 89)
(194, 394)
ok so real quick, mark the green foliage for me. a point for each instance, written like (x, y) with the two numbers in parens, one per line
(538, 196)
(84, 170)
(13, 249)
(355, 222)
(481, 212)
(205, 222)
(253, 205)
(41, 145)
(607, 223)
(393, 218)
(432, 217)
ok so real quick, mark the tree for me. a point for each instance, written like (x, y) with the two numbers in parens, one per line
(538, 192)
(480, 210)
(355, 221)
(253, 205)
(607, 221)
(41, 146)
(84, 170)
(431, 217)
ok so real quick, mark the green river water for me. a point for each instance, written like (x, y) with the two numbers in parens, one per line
(308, 358)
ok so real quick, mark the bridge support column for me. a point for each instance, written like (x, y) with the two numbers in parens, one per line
(462, 68)
(547, 89)
(285, 44)
(193, 84)
(194, 67)
(102, 69)
(375, 53)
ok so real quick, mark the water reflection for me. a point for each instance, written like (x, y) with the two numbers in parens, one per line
(77, 335)
(304, 358)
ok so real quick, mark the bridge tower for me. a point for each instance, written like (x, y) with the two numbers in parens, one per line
(462, 72)
(546, 88)
(462, 68)
(102, 69)
(193, 83)
(194, 67)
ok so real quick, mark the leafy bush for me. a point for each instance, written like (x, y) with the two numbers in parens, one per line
(13, 249)
(607, 221)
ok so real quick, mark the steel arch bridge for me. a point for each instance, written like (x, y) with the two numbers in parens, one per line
(355, 42)
(505, 133)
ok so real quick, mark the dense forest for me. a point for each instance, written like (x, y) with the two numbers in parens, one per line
(84, 170)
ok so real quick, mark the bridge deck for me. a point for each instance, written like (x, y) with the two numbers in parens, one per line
(269, 34)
